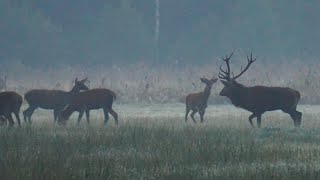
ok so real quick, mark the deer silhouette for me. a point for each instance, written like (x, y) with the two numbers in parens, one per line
(259, 99)
(89, 100)
(56, 100)
(197, 102)
(10, 102)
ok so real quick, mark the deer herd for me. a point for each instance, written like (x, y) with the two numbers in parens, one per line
(256, 99)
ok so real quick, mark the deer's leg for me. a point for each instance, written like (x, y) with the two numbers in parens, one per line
(3, 120)
(10, 119)
(259, 120)
(250, 119)
(113, 114)
(28, 113)
(80, 116)
(296, 117)
(106, 116)
(55, 115)
(192, 115)
(17, 117)
(88, 116)
(202, 112)
(187, 113)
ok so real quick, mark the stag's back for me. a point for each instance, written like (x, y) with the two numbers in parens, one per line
(261, 98)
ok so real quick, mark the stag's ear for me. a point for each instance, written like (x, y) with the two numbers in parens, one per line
(203, 80)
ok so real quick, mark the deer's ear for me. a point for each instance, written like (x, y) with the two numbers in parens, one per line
(202, 80)
(214, 80)
(84, 80)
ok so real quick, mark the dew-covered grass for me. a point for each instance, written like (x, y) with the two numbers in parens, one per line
(154, 142)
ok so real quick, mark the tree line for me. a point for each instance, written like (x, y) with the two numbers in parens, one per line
(52, 32)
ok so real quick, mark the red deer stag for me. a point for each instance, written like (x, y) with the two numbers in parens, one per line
(10, 102)
(197, 102)
(259, 99)
(56, 100)
(88, 100)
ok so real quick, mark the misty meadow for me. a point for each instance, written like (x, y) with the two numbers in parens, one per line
(103, 89)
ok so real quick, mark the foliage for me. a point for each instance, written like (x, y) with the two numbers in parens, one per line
(94, 32)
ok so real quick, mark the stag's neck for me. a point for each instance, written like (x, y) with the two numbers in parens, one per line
(240, 95)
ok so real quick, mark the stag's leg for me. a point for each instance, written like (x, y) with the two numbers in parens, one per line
(295, 115)
(187, 113)
(80, 116)
(17, 117)
(250, 119)
(192, 115)
(259, 120)
(298, 116)
(113, 114)
(88, 116)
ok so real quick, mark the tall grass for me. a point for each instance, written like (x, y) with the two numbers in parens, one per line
(151, 144)
(167, 83)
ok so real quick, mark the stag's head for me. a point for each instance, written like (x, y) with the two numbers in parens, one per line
(80, 85)
(209, 82)
(231, 86)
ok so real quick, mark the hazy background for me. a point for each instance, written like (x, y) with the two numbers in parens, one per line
(46, 44)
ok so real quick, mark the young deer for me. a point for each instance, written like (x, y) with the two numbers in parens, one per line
(88, 100)
(197, 102)
(56, 100)
(10, 102)
(259, 99)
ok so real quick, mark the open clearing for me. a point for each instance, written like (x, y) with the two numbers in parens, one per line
(154, 142)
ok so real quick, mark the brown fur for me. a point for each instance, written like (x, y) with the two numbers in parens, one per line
(56, 100)
(259, 99)
(10, 102)
(88, 100)
(197, 102)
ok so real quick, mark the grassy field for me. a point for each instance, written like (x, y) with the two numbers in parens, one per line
(154, 142)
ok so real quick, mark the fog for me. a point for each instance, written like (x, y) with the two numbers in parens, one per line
(126, 45)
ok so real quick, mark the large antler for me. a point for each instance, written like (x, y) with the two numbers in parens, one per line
(250, 61)
(225, 74)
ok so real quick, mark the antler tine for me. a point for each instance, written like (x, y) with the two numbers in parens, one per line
(221, 76)
(250, 61)
(227, 58)
(225, 74)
